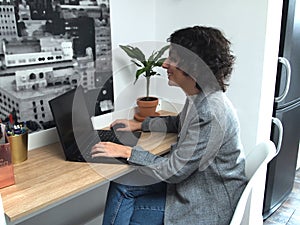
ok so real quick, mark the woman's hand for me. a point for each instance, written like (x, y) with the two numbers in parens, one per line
(109, 149)
(129, 125)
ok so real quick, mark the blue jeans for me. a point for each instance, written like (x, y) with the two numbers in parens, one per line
(135, 205)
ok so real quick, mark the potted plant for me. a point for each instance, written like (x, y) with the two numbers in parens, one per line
(146, 105)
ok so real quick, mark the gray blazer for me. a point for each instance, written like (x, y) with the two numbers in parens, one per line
(204, 169)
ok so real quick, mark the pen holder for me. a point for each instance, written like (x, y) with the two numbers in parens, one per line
(18, 146)
(7, 177)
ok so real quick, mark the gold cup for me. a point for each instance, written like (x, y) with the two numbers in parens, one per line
(18, 147)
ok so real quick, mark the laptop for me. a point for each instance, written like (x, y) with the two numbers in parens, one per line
(76, 132)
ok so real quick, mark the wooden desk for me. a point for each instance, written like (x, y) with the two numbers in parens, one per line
(45, 177)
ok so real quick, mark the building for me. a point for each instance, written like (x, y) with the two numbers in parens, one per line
(59, 48)
(32, 51)
(29, 105)
(8, 24)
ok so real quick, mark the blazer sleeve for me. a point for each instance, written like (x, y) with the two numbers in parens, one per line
(169, 124)
(198, 143)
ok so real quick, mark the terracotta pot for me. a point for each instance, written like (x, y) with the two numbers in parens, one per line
(146, 107)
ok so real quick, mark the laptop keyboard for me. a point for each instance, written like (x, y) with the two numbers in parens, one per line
(108, 135)
(122, 137)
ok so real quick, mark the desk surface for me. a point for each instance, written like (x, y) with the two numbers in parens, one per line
(46, 178)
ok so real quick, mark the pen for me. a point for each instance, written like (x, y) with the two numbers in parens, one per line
(16, 129)
(2, 133)
(11, 119)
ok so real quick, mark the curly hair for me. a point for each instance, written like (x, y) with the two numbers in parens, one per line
(211, 46)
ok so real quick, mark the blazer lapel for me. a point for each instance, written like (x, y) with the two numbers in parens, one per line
(185, 119)
(183, 114)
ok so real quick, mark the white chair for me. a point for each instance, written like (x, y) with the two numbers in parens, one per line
(250, 205)
(2, 216)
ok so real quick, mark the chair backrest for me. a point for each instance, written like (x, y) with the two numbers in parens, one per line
(250, 205)
(2, 215)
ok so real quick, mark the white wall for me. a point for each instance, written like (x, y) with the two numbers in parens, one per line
(132, 21)
(269, 69)
(252, 27)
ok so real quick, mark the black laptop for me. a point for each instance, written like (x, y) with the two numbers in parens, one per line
(76, 132)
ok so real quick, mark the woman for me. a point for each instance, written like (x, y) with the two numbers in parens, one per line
(202, 177)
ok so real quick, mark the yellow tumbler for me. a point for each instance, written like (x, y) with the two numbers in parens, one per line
(18, 147)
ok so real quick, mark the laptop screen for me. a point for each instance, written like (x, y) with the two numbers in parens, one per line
(72, 121)
(61, 108)
(75, 128)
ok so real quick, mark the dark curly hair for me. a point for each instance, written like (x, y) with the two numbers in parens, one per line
(211, 46)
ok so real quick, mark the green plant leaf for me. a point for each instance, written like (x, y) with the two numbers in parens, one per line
(133, 52)
(138, 73)
(161, 52)
(136, 63)
(160, 62)
(140, 55)
(152, 56)
(153, 73)
(145, 66)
